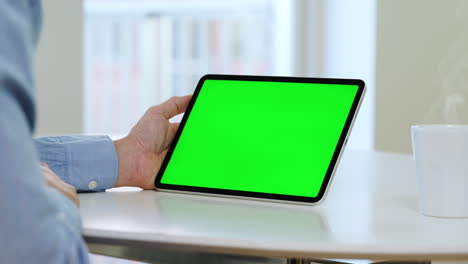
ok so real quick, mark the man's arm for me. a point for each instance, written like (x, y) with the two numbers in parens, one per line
(95, 163)
(89, 163)
(38, 224)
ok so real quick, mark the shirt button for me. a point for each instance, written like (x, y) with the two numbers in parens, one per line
(92, 185)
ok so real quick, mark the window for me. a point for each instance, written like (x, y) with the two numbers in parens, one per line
(140, 53)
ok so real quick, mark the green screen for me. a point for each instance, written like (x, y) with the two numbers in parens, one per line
(258, 136)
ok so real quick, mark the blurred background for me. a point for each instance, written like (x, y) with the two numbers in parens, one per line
(101, 63)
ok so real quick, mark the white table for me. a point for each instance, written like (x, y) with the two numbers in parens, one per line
(370, 212)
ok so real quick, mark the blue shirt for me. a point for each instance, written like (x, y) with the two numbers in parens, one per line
(39, 224)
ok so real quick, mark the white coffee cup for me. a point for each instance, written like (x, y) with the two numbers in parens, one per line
(441, 155)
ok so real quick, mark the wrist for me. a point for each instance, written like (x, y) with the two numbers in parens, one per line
(137, 166)
(124, 163)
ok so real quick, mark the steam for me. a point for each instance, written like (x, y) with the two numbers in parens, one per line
(451, 112)
(452, 107)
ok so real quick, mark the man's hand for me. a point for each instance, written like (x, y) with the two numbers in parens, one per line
(54, 181)
(141, 153)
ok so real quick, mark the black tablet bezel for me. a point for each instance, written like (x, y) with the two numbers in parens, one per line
(247, 194)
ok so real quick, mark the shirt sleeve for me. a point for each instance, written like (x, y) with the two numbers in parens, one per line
(38, 224)
(87, 162)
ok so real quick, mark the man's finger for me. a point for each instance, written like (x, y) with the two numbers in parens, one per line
(71, 194)
(174, 106)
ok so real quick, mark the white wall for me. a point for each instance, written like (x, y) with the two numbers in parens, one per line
(58, 69)
(421, 47)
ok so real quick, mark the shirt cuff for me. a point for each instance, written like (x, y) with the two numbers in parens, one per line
(89, 163)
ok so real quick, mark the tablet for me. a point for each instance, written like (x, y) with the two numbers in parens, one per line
(261, 137)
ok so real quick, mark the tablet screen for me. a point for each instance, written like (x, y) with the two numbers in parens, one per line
(271, 139)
